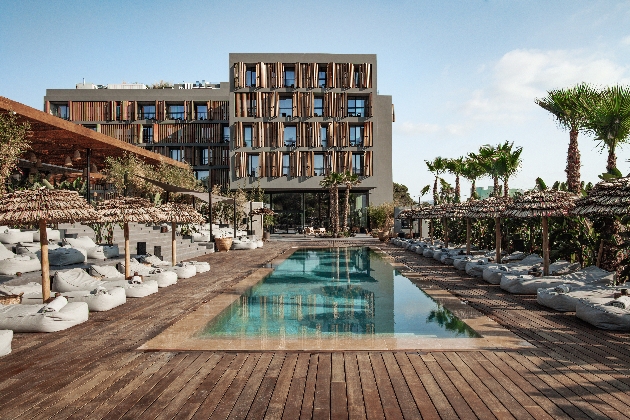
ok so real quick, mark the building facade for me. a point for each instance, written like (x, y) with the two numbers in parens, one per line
(282, 123)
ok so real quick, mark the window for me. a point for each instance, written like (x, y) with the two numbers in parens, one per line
(176, 112)
(225, 157)
(289, 77)
(247, 136)
(250, 77)
(356, 106)
(321, 76)
(202, 175)
(323, 134)
(285, 164)
(357, 163)
(252, 165)
(318, 106)
(176, 154)
(204, 157)
(117, 111)
(226, 134)
(61, 111)
(286, 106)
(357, 78)
(147, 112)
(202, 112)
(356, 135)
(318, 165)
(251, 106)
(147, 134)
(290, 135)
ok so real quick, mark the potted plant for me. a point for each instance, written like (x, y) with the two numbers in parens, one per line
(222, 243)
(268, 219)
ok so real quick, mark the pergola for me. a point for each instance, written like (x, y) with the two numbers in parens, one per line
(55, 139)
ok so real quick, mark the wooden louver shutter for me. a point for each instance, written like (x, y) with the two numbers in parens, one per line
(367, 134)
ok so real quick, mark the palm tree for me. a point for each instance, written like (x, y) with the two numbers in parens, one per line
(437, 167)
(608, 117)
(507, 164)
(350, 179)
(566, 107)
(486, 157)
(472, 170)
(332, 182)
(456, 167)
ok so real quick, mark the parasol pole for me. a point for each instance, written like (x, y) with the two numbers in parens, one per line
(420, 228)
(210, 200)
(43, 240)
(545, 250)
(174, 243)
(468, 235)
(127, 257)
(497, 233)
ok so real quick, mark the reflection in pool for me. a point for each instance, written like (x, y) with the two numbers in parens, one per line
(336, 292)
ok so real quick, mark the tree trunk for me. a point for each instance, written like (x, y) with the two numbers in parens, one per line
(495, 187)
(435, 192)
(473, 190)
(457, 190)
(610, 237)
(506, 189)
(612, 160)
(346, 209)
(334, 209)
(573, 163)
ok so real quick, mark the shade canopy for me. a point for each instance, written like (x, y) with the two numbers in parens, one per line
(491, 207)
(130, 209)
(28, 207)
(546, 203)
(263, 211)
(180, 213)
(181, 190)
(610, 198)
(407, 214)
(55, 140)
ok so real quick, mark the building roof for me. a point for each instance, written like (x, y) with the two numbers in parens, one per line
(54, 139)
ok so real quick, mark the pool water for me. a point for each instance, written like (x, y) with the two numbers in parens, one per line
(332, 292)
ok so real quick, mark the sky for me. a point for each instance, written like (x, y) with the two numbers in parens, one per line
(461, 73)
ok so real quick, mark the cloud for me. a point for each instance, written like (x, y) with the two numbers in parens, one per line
(414, 129)
(520, 76)
(626, 40)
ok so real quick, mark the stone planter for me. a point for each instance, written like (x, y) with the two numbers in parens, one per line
(223, 244)
(266, 236)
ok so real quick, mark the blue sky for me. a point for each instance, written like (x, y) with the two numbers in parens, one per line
(461, 73)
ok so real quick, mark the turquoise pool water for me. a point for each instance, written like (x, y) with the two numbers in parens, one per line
(340, 291)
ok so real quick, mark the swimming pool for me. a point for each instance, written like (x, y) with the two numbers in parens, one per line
(336, 292)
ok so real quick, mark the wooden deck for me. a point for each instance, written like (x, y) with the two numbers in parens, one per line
(94, 370)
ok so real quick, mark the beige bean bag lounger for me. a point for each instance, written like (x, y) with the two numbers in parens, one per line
(607, 314)
(163, 276)
(6, 336)
(528, 285)
(564, 298)
(54, 316)
(11, 263)
(78, 279)
(492, 272)
(184, 270)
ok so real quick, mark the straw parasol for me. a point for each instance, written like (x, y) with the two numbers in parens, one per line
(129, 209)
(606, 199)
(491, 207)
(544, 204)
(43, 206)
(179, 213)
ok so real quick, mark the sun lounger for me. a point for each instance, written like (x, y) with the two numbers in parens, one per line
(475, 267)
(78, 279)
(55, 316)
(200, 266)
(13, 236)
(154, 260)
(183, 270)
(99, 299)
(51, 234)
(65, 255)
(93, 250)
(492, 272)
(10, 263)
(243, 243)
(6, 336)
(565, 297)
(602, 314)
(528, 285)
(162, 275)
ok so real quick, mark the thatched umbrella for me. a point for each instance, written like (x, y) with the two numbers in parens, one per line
(491, 207)
(544, 204)
(129, 209)
(606, 199)
(43, 206)
(179, 213)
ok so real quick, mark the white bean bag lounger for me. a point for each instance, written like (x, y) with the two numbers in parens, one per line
(136, 267)
(92, 249)
(13, 236)
(106, 271)
(55, 316)
(602, 314)
(163, 277)
(6, 336)
(184, 270)
(564, 298)
(51, 234)
(529, 285)
(19, 264)
(201, 266)
(475, 267)
(78, 279)
(243, 244)
(154, 260)
(493, 272)
(98, 300)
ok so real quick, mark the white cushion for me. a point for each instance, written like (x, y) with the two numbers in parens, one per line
(56, 304)
(13, 236)
(32, 318)
(184, 270)
(107, 271)
(5, 253)
(75, 279)
(21, 264)
(81, 242)
(98, 300)
(51, 234)
(5, 342)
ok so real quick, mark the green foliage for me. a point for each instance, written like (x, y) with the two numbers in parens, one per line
(382, 216)
(402, 197)
(161, 85)
(14, 140)
(566, 105)
(540, 184)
